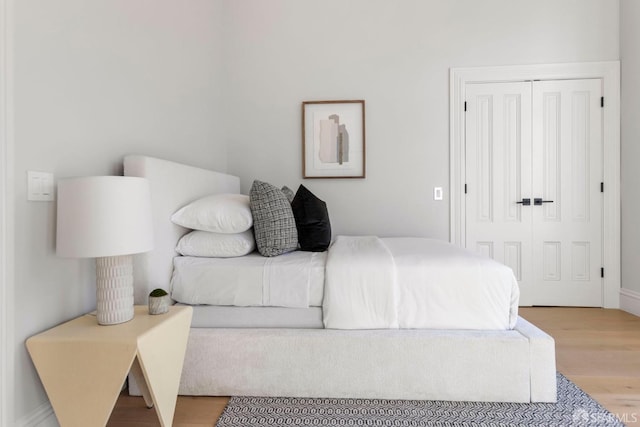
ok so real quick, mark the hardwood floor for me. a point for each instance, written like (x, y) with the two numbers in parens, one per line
(597, 349)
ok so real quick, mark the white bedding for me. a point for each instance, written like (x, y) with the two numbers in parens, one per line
(292, 280)
(360, 290)
(362, 283)
(373, 283)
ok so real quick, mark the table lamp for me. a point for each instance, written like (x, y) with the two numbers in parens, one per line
(107, 218)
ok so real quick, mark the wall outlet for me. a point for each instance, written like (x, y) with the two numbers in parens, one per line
(437, 193)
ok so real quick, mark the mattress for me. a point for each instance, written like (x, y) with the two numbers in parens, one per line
(212, 316)
(294, 280)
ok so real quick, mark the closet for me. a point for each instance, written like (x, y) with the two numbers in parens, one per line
(533, 162)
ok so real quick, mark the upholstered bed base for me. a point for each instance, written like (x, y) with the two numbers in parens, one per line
(506, 366)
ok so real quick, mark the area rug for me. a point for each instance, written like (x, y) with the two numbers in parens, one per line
(574, 408)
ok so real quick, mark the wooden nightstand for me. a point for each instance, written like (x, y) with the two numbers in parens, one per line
(83, 365)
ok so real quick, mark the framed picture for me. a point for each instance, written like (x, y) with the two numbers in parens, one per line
(333, 139)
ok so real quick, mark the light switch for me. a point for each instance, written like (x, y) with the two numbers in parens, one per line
(39, 186)
(437, 193)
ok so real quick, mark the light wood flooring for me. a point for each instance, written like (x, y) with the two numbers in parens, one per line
(597, 349)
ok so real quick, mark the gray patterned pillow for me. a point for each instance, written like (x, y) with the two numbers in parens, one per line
(274, 225)
(288, 193)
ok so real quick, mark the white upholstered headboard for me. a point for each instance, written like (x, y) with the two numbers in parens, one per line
(173, 185)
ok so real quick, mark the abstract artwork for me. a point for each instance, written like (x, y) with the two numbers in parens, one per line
(333, 139)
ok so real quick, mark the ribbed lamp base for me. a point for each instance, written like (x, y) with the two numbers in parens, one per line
(114, 295)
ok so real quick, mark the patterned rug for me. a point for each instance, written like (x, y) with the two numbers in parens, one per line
(574, 408)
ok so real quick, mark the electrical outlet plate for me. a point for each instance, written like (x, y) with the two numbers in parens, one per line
(437, 193)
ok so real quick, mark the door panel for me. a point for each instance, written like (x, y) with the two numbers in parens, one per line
(568, 147)
(498, 169)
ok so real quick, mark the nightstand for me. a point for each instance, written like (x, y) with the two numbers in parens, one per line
(83, 365)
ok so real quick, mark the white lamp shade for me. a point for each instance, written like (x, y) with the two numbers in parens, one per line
(101, 216)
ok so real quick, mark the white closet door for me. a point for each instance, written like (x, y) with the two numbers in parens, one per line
(498, 171)
(567, 172)
(542, 142)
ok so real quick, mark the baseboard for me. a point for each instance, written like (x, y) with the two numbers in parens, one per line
(43, 416)
(630, 301)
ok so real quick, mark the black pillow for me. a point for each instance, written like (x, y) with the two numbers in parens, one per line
(312, 221)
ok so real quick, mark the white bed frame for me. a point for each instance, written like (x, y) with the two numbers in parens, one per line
(511, 366)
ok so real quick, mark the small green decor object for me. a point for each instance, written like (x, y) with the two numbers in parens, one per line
(158, 301)
(158, 293)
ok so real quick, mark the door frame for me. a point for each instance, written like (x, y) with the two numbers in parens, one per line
(609, 72)
(6, 215)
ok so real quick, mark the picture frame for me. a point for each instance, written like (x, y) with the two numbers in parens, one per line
(333, 139)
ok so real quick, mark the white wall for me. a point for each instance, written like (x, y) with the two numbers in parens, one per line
(95, 81)
(6, 222)
(630, 143)
(396, 56)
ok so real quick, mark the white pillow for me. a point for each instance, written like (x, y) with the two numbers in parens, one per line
(219, 213)
(216, 245)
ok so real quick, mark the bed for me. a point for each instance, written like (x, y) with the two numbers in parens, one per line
(299, 352)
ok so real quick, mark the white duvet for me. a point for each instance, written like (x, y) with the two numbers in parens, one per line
(373, 283)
